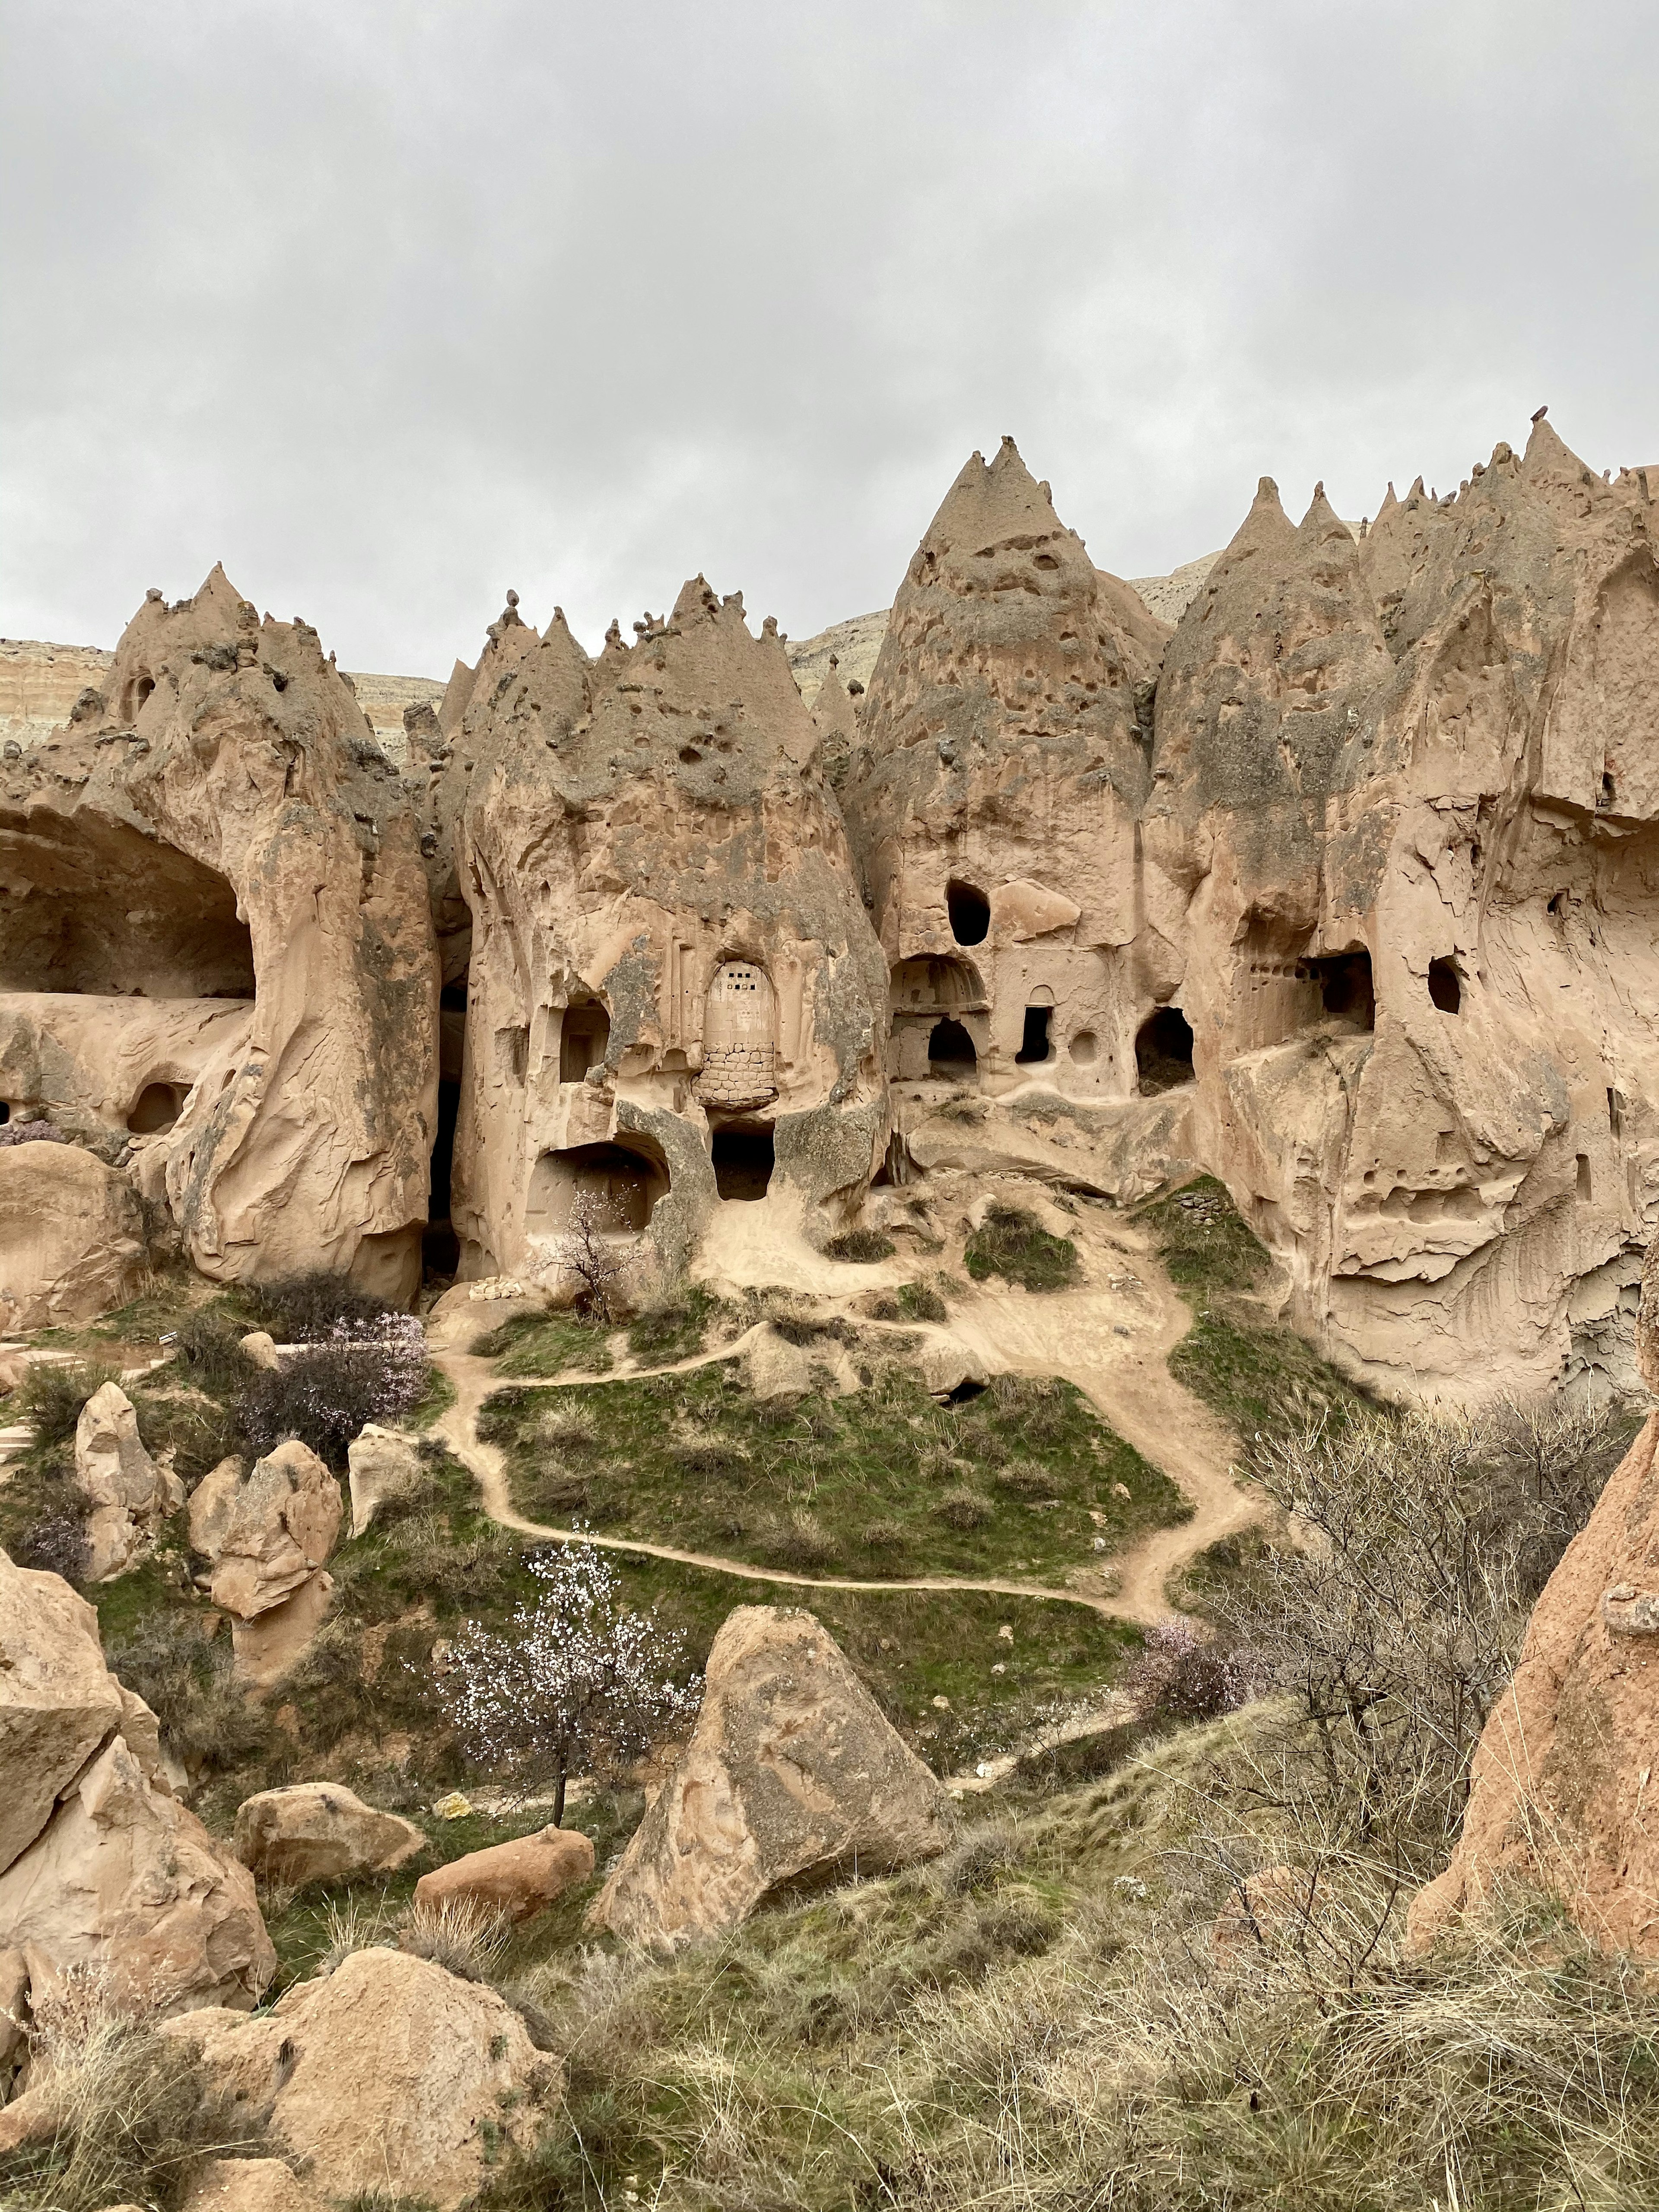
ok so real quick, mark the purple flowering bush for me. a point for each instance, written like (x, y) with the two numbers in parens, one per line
(370, 1370)
(1183, 1674)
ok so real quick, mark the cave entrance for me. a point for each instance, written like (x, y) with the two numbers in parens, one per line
(744, 1160)
(629, 1180)
(1345, 990)
(440, 1248)
(97, 910)
(157, 1107)
(951, 1050)
(1446, 985)
(1035, 1044)
(1163, 1051)
(583, 1038)
(969, 911)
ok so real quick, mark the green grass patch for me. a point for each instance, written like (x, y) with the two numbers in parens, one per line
(876, 1483)
(1012, 1244)
(677, 1328)
(546, 1344)
(922, 1301)
(438, 1398)
(1205, 1242)
(864, 1246)
(1261, 1379)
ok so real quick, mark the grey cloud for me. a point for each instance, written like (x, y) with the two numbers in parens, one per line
(391, 306)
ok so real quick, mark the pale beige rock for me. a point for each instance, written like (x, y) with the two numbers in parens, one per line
(281, 1530)
(390, 2075)
(128, 1493)
(71, 1237)
(14, 2013)
(251, 2184)
(707, 989)
(220, 826)
(212, 1503)
(1561, 1785)
(775, 1368)
(518, 1879)
(321, 1832)
(792, 1775)
(945, 1364)
(273, 1642)
(260, 1348)
(59, 1702)
(126, 1880)
(381, 1463)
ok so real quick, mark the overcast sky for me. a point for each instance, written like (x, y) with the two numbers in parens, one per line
(391, 304)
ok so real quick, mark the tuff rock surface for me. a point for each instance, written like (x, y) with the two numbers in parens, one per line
(793, 1778)
(518, 1879)
(278, 1533)
(388, 2075)
(71, 1237)
(128, 1493)
(321, 1832)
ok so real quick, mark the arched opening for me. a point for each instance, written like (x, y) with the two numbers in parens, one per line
(157, 1107)
(1163, 1051)
(738, 1032)
(935, 984)
(1035, 1045)
(1345, 990)
(628, 1179)
(5, 1111)
(583, 1038)
(969, 911)
(951, 1050)
(744, 1160)
(95, 909)
(1446, 985)
(1085, 1047)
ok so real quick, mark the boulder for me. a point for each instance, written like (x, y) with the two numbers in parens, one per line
(211, 1504)
(280, 1531)
(320, 1832)
(128, 1493)
(71, 1237)
(793, 1776)
(775, 1368)
(59, 1702)
(388, 2075)
(258, 1347)
(274, 1642)
(381, 1463)
(126, 1879)
(1561, 1788)
(250, 2184)
(947, 1363)
(519, 1879)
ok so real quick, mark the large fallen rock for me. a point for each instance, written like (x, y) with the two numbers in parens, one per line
(59, 1702)
(381, 1463)
(519, 1879)
(321, 1832)
(793, 1776)
(211, 1504)
(274, 1642)
(129, 1493)
(1561, 1792)
(280, 1531)
(71, 1237)
(389, 2075)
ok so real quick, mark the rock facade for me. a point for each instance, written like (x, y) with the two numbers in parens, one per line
(794, 1777)
(71, 1237)
(278, 1533)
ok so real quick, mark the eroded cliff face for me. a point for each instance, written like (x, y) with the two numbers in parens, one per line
(673, 993)
(214, 939)
(1406, 790)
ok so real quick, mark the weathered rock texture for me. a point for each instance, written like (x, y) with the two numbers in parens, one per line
(674, 994)
(128, 1494)
(389, 2076)
(210, 889)
(99, 1865)
(71, 1237)
(321, 1832)
(518, 1879)
(794, 1777)
(280, 1529)
(1561, 1790)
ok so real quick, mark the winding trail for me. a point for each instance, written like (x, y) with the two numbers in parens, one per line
(1111, 1339)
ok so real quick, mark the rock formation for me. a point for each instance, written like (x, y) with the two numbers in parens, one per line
(383, 1463)
(128, 1494)
(518, 1879)
(278, 1533)
(389, 2074)
(792, 1779)
(321, 1832)
(99, 1865)
(71, 1237)
(213, 931)
(674, 996)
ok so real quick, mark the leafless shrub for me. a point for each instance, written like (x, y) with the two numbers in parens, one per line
(584, 1248)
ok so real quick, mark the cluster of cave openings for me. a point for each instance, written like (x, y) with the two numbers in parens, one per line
(584, 1039)
(629, 1180)
(1345, 990)
(969, 911)
(1163, 1051)
(745, 1156)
